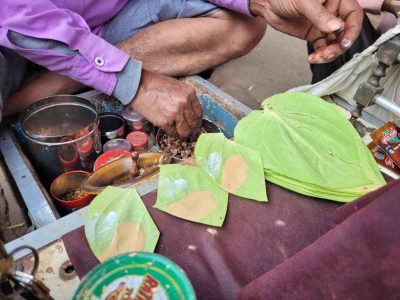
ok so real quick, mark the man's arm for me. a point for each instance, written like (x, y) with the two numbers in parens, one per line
(313, 20)
(61, 41)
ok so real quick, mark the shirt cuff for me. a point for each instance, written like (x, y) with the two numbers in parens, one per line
(128, 80)
(240, 6)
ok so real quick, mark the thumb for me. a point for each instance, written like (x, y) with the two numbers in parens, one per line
(320, 16)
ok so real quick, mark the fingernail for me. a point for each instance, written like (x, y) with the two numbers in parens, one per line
(346, 43)
(334, 25)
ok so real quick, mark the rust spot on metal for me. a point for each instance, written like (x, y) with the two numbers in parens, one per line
(67, 271)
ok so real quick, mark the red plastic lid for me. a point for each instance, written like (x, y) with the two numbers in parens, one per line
(68, 156)
(138, 139)
(85, 147)
(108, 157)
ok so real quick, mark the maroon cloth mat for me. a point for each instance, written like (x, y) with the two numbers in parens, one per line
(345, 211)
(254, 239)
(358, 259)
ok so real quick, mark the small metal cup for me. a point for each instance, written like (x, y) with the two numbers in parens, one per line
(111, 126)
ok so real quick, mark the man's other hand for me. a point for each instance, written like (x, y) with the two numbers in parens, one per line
(169, 104)
(331, 25)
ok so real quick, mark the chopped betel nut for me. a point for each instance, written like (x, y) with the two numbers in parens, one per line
(177, 147)
(73, 195)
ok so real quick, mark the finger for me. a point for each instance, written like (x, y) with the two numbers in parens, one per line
(190, 113)
(320, 43)
(353, 15)
(197, 109)
(322, 19)
(190, 118)
(330, 38)
(183, 129)
(170, 130)
(326, 54)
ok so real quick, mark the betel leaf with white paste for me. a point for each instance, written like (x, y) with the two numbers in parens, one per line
(233, 167)
(308, 146)
(118, 222)
(185, 192)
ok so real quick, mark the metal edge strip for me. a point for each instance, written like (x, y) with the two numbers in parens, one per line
(36, 202)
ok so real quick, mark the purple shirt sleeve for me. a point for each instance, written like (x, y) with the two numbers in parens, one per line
(240, 6)
(97, 62)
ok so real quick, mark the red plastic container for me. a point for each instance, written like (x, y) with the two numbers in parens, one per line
(68, 157)
(138, 139)
(108, 157)
(68, 182)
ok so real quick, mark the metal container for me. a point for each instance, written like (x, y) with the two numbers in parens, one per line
(56, 125)
(117, 144)
(111, 126)
(209, 126)
(136, 275)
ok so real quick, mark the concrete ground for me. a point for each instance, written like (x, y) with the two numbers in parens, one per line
(278, 63)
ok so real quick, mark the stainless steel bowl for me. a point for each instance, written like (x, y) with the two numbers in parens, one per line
(111, 126)
(59, 123)
(209, 126)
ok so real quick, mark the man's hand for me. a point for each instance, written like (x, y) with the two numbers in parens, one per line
(331, 25)
(168, 103)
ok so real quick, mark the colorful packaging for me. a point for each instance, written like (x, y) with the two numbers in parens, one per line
(382, 158)
(388, 138)
(138, 276)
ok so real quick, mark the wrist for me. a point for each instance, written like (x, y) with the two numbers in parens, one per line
(257, 7)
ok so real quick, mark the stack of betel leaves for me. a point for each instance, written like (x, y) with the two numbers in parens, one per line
(308, 146)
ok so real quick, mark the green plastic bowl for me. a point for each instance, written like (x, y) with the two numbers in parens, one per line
(137, 275)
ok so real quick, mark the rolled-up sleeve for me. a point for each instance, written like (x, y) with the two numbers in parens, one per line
(240, 6)
(66, 45)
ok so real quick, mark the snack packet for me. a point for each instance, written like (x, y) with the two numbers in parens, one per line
(382, 158)
(388, 138)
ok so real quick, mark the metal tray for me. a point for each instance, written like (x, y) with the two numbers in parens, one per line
(219, 107)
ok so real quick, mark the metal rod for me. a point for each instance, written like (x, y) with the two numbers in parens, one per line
(386, 104)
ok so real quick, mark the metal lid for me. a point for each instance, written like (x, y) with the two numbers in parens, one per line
(117, 144)
(138, 276)
(132, 115)
(59, 120)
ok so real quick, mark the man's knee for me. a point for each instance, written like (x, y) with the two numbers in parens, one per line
(242, 33)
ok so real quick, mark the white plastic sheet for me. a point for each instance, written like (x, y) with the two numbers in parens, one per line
(346, 80)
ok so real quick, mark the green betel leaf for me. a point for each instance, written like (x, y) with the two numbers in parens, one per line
(185, 192)
(308, 140)
(234, 168)
(118, 222)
